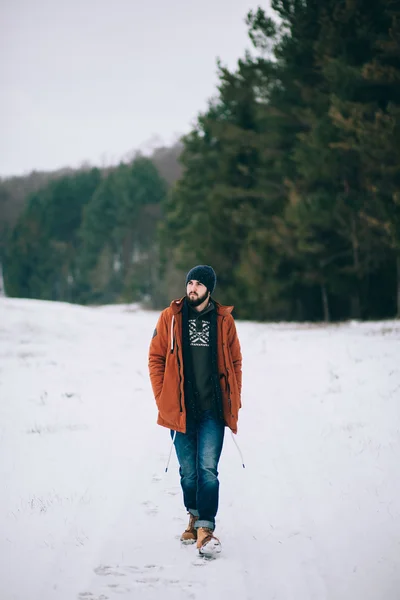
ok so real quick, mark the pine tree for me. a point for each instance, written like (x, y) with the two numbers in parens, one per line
(118, 234)
(41, 254)
(370, 123)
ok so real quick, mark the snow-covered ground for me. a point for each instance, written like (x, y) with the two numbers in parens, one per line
(87, 512)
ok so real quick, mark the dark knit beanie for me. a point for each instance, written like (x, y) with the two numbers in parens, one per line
(205, 274)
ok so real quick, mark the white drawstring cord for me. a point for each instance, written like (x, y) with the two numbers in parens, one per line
(172, 333)
(237, 446)
(170, 452)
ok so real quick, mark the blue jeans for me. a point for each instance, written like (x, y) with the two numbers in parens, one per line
(198, 451)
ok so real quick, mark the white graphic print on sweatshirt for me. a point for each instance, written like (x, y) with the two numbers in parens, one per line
(199, 338)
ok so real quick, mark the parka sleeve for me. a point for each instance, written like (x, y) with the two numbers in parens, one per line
(157, 355)
(236, 353)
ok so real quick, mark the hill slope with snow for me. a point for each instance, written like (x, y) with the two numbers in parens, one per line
(87, 512)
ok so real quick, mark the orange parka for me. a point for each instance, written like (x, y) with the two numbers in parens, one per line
(166, 367)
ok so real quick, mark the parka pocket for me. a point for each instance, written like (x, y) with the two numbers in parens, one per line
(227, 389)
(222, 376)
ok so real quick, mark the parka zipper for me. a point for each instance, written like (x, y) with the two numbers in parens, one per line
(179, 362)
(180, 378)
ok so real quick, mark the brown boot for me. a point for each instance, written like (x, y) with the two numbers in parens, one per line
(189, 536)
(207, 543)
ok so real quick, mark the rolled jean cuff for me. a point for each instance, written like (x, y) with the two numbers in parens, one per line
(203, 523)
(193, 512)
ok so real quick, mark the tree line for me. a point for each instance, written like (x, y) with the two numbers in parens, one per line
(290, 184)
(89, 237)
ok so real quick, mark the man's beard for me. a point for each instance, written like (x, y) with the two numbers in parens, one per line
(195, 300)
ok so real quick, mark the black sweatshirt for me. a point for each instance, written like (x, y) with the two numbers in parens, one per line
(199, 343)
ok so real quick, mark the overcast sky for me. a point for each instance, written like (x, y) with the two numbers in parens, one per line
(92, 80)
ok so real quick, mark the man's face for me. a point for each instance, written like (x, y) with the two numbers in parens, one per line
(196, 292)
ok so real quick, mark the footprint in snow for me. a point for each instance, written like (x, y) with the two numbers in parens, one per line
(90, 596)
(122, 571)
(147, 576)
(151, 509)
(201, 561)
(119, 589)
(104, 570)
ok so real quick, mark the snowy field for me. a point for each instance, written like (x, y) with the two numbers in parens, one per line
(87, 512)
